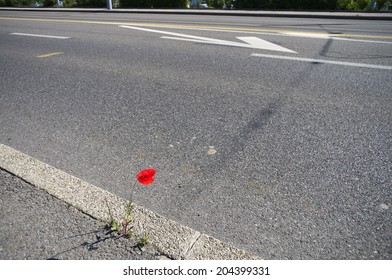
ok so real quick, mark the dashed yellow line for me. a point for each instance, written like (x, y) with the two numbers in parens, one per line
(50, 54)
(196, 27)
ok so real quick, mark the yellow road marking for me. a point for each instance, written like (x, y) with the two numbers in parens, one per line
(196, 27)
(50, 54)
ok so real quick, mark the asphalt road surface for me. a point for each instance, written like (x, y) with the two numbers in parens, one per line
(272, 134)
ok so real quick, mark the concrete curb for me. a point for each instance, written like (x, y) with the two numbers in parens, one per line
(171, 238)
(213, 12)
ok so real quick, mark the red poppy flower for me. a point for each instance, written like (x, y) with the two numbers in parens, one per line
(146, 176)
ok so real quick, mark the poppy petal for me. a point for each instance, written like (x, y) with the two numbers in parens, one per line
(145, 177)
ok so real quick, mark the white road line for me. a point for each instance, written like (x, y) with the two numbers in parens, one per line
(304, 59)
(39, 35)
(328, 37)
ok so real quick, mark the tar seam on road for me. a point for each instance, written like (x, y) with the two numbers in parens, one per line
(171, 238)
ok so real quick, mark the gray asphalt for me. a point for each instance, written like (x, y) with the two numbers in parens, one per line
(37, 226)
(303, 150)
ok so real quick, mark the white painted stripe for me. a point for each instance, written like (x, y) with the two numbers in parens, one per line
(307, 35)
(327, 37)
(192, 40)
(40, 35)
(304, 59)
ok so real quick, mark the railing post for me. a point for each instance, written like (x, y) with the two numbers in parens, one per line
(109, 4)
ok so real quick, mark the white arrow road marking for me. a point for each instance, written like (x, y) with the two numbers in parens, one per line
(250, 42)
(263, 44)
